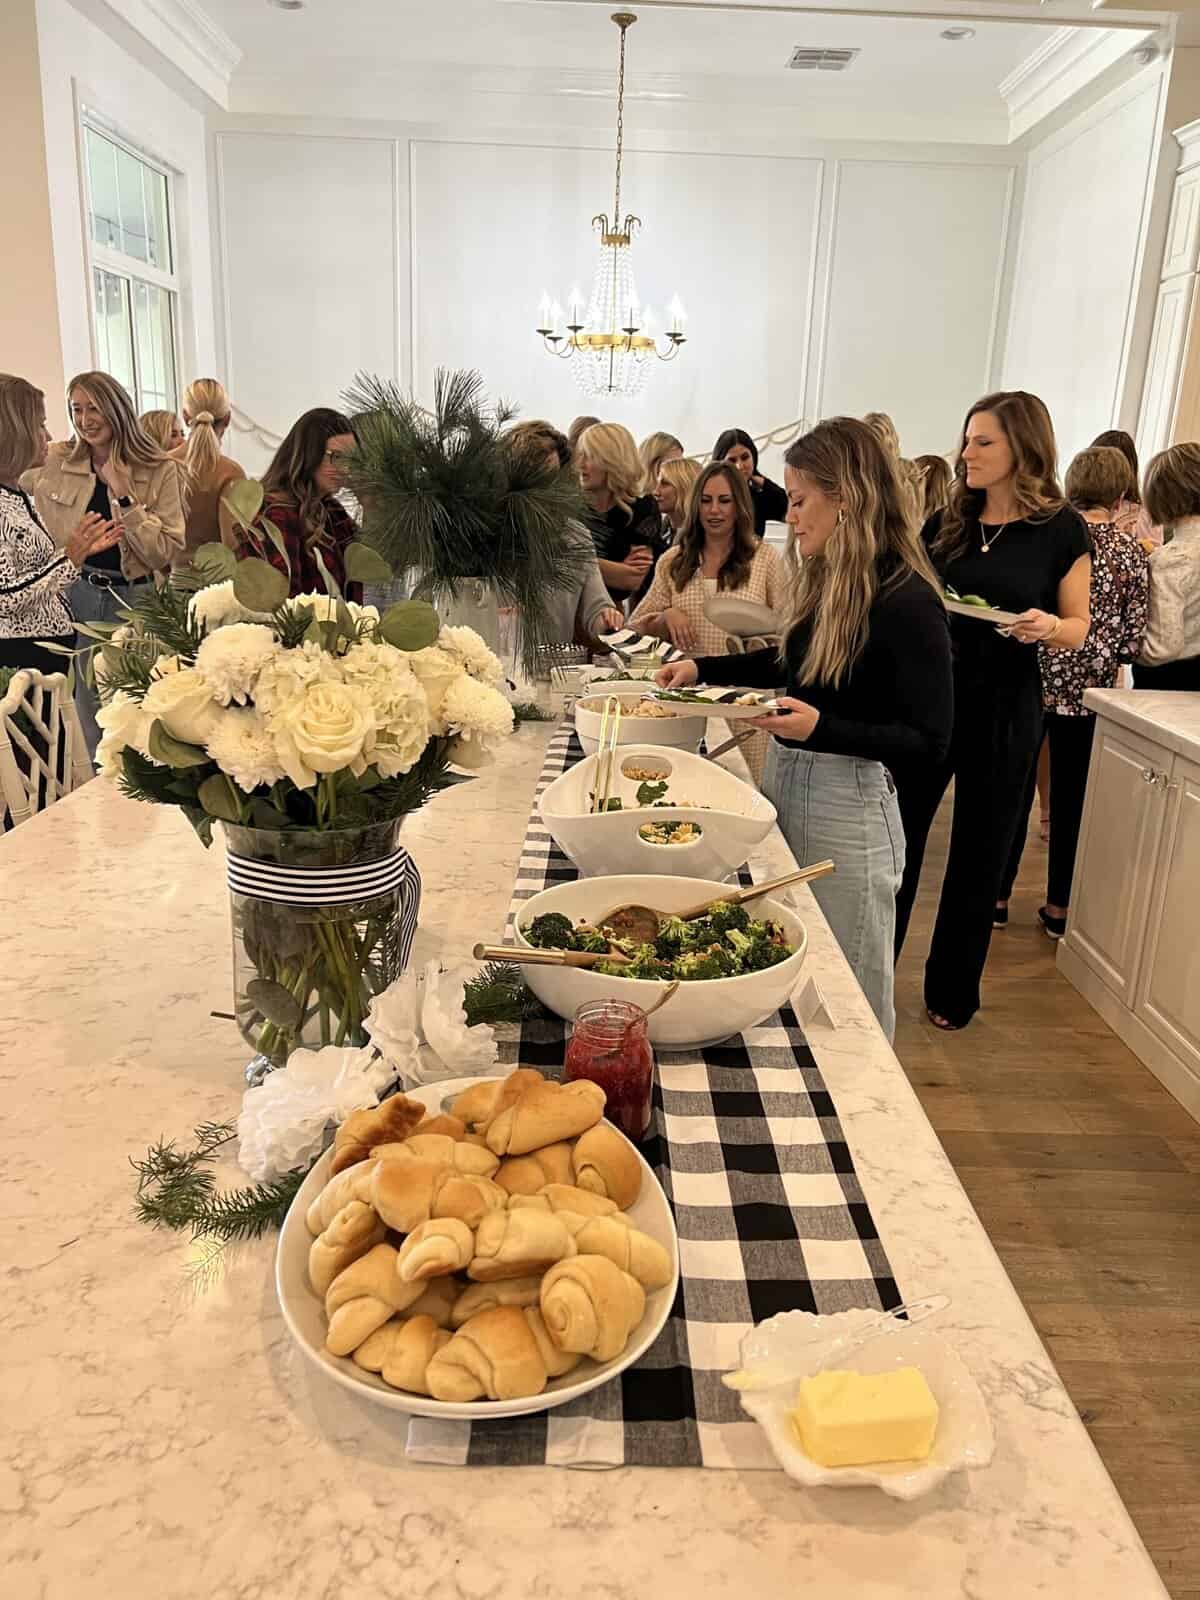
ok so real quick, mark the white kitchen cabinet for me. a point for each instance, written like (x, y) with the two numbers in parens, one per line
(1132, 946)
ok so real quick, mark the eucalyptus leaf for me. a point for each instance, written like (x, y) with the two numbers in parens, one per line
(364, 565)
(172, 752)
(345, 622)
(219, 798)
(410, 625)
(57, 649)
(258, 585)
(244, 499)
(275, 1002)
(98, 630)
(216, 562)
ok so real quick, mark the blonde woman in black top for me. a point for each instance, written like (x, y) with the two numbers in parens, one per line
(866, 662)
(1007, 535)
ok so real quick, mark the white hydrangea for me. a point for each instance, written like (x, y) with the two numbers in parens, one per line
(478, 712)
(241, 745)
(437, 669)
(125, 726)
(231, 659)
(217, 606)
(290, 672)
(465, 645)
(398, 701)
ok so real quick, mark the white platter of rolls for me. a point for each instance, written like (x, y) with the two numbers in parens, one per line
(503, 1255)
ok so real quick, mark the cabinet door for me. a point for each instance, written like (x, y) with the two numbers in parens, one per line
(1122, 822)
(1169, 990)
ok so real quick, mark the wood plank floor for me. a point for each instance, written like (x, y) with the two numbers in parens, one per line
(1086, 1175)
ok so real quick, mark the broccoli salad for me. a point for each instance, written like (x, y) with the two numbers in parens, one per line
(724, 944)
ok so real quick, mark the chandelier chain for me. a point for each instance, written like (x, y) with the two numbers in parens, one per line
(616, 222)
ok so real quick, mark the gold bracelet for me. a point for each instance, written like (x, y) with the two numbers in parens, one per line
(1054, 631)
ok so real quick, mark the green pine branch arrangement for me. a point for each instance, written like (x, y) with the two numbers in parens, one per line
(498, 993)
(177, 1189)
(446, 498)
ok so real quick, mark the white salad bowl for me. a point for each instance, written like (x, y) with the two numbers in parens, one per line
(680, 732)
(702, 1012)
(732, 816)
(964, 1438)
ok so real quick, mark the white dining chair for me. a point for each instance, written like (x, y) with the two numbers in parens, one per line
(42, 751)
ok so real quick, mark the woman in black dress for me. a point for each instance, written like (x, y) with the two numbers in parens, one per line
(1008, 536)
(770, 502)
(624, 523)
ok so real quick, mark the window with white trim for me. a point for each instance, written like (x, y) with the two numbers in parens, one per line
(135, 284)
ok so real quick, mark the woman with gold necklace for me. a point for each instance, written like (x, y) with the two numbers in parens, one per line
(1007, 535)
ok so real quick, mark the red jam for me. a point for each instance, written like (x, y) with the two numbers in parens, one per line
(610, 1047)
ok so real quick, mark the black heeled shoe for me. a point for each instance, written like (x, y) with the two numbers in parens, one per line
(1000, 916)
(1054, 927)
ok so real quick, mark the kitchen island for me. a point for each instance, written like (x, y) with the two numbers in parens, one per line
(163, 1437)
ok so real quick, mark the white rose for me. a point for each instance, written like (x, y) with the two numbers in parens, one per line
(437, 669)
(125, 726)
(182, 701)
(323, 730)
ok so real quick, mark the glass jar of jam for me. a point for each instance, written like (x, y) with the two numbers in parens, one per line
(610, 1046)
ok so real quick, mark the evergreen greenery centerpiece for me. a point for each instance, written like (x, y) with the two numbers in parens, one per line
(447, 498)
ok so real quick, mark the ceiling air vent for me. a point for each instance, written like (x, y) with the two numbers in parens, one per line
(806, 59)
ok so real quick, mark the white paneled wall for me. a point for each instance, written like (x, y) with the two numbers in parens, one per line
(814, 283)
(1086, 193)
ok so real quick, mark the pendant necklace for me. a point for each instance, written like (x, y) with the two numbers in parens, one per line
(985, 541)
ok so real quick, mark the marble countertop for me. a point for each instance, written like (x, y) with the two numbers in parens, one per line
(1170, 717)
(165, 1439)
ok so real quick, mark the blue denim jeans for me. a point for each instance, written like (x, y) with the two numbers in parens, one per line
(845, 809)
(89, 604)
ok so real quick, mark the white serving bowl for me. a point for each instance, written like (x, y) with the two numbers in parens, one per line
(701, 1013)
(304, 1313)
(683, 733)
(737, 819)
(964, 1438)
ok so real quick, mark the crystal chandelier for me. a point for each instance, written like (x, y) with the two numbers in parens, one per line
(611, 345)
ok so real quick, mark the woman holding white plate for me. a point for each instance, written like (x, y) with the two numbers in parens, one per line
(866, 662)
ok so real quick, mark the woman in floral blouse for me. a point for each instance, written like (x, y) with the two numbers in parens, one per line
(1098, 481)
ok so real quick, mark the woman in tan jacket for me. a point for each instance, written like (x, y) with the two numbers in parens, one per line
(113, 469)
(208, 471)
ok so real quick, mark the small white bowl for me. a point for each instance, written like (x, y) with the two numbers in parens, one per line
(702, 1012)
(964, 1439)
(683, 733)
(738, 817)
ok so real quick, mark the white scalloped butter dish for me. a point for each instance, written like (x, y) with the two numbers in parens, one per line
(964, 1438)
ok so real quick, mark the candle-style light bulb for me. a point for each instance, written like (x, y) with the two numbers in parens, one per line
(575, 301)
(678, 314)
(544, 311)
(556, 317)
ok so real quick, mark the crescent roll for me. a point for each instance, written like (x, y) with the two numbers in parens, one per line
(364, 1297)
(502, 1292)
(401, 1351)
(528, 1174)
(605, 1163)
(518, 1244)
(590, 1306)
(363, 1130)
(435, 1249)
(625, 1246)
(543, 1114)
(494, 1356)
(350, 1234)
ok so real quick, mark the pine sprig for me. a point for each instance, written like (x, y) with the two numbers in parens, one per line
(177, 1189)
(163, 613)
(529, 711)
(498, 993)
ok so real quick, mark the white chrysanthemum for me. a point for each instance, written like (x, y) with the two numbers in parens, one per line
(181, 700)
(231, 659)
(478, 712)
(125, 726)
(465, 645)
(290, 672)
(328, 728)
(324, 607)
(437, 669)
(217, 606)
(241, 745)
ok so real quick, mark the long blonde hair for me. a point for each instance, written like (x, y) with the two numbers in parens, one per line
(874, 547)
(159, 425)
(688, 549)
(1030, 434)
(654, 449)
(935, 483)
(681, 472)
(205, 415)
(131, 446)
(612, 447)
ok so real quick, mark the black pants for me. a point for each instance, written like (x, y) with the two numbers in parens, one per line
(1070, 756)
(1171, 675)
(31, 653)
(994, 747)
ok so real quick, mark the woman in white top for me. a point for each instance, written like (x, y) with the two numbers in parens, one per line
(1170, 657)
(34, 576)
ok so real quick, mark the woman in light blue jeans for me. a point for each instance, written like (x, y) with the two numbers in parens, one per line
(844, 809)
(866, 664)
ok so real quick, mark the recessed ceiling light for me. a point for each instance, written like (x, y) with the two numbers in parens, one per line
(287, 5)
(947, 33)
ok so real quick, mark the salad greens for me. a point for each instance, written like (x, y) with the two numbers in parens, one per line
(724, 944)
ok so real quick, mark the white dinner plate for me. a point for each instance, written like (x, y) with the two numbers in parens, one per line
(1002, 619)
(711, 705)
(744, 618)
(304, 1310)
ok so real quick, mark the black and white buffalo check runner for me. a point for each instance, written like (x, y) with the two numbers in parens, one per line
(747, 1145)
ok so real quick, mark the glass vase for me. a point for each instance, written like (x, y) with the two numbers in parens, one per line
(322, 922)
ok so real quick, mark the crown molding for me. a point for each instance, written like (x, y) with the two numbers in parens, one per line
(184, 33)
(1063, 64)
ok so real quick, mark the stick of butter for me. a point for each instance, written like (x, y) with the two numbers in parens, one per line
(846, 1419)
